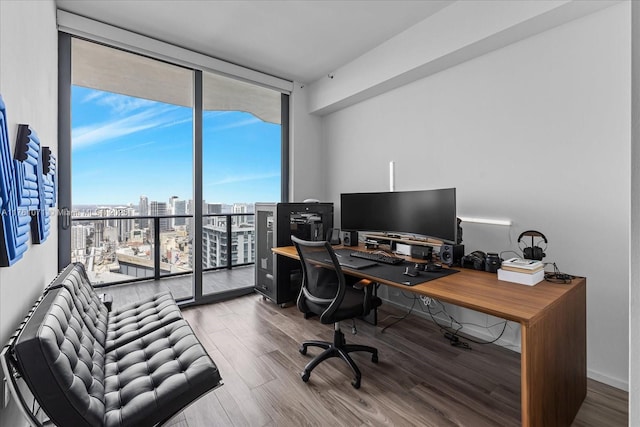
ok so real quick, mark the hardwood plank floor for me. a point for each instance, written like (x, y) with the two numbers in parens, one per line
(420, 380)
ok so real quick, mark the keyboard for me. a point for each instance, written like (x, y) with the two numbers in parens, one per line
(377, 257)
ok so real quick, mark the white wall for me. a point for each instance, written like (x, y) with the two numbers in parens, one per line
(537, 132)
(29, 86)
(306, 164)
(634, 253)
(461, 31)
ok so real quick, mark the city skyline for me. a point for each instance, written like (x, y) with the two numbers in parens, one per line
(97, 210)
(124, 147)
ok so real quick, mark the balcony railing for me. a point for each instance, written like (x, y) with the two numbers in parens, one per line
(123, 249)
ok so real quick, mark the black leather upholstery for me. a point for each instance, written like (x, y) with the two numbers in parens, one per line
(123, 324)
(137, 319)
(62, 362)
(156, 374)
(148, 372)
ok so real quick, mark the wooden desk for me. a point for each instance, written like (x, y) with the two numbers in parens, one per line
(553, 333)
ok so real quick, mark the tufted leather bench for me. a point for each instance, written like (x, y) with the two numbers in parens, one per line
(137, 366)
(121, 325)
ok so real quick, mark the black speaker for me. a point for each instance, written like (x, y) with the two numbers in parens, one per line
(350, 238)
(451, 254)
(333, 236)
(534, 251)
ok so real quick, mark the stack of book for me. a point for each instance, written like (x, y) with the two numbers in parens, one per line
(523, 271)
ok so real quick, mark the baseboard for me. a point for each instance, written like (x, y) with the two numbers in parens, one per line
(482, 334)
(479, 333)
(608, 380)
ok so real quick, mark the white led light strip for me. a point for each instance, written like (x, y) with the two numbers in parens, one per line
(506, 222)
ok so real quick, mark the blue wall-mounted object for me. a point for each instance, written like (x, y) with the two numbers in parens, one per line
(27, 191)
(15, 224)
(41, 222)
(27, 167)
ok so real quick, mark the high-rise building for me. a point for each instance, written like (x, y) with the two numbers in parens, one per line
(215, 244)
(79, 234)
(160, 209)
(143, 210)
(242, 208)
(211, 208)
(123, 226)
(172, 200)
(179, 208)
(101, 225)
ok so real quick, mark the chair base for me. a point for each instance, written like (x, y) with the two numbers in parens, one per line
(337, 348)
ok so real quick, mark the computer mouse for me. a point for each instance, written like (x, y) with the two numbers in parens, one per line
(411, 272)
(432, 266)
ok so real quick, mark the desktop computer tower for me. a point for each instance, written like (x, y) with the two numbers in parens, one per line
(279, 278)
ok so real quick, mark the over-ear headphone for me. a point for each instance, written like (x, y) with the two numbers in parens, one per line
(533, 251)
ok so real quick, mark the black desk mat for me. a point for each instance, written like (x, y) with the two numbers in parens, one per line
(394, 273)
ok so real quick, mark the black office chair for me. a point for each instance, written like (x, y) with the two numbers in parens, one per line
(326, 292)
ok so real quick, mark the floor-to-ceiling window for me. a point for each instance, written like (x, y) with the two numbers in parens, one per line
(145, 141)
(241, 154)
(131, 159)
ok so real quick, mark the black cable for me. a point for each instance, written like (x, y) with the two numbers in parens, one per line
(557, 276)
(454, 333)
(504, 327)
(401, 318)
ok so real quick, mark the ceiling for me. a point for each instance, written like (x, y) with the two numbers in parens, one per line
(299, 40)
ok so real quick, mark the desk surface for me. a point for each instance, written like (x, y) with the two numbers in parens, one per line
(553, 333)
(478, 290)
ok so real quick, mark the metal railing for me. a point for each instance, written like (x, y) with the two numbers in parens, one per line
(147, 247)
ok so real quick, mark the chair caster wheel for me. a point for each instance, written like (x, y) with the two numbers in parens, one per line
(356, 383)
(305, 377)
(374, 358)
(303, 350)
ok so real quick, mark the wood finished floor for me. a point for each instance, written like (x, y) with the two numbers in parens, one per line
(420, 380)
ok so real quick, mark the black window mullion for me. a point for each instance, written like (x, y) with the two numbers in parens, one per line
(196, 248)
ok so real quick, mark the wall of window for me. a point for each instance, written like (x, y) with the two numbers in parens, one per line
(160, 156)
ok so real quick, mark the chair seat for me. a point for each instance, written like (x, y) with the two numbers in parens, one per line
(155, 375)
(352, 306)
(139, 318)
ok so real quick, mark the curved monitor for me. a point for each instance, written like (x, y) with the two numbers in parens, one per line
(429, 213)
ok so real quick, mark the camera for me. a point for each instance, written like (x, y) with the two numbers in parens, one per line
(475, 260)
(492, 262)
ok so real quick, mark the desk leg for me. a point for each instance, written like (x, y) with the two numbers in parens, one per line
(554, 363)
(372, 317)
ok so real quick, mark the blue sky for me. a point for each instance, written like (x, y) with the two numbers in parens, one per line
(124, 147)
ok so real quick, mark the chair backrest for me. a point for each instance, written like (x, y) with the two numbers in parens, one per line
(323, 282)
(62, 362)
(94, 313)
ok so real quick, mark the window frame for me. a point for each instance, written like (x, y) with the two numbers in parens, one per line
(64, 151)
